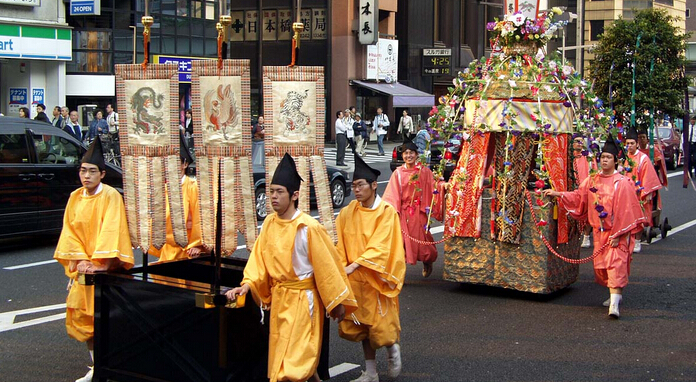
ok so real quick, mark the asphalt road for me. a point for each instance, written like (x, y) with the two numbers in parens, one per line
(450, 332)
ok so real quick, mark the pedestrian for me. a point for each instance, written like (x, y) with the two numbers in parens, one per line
(350, 134)
(189, 192)
(422, 140)
(258, 130)
(371, 248)
(410, 192)
(57, 119)
(94, 238)
(608, 201)
(642, 173)
(692, 147)
(111, 119)
(380, 124)
(41, 113)
(405, 126)
(98, 126)
(583, 163)
(23, 112)
(73, 126)
(65, 115)
(360, 131)
(341, 141)
(188, 123)
(294, 268)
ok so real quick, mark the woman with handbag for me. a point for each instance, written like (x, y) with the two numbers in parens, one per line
(405, 126)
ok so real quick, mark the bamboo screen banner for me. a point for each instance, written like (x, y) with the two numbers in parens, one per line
(221, 104)
(293, 103)
(149, 137)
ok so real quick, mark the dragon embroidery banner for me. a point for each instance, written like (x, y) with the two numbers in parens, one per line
(294, 99)
(221, 104)
(150, 152)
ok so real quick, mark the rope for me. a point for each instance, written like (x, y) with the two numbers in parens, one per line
(548, 245)
(422, 242)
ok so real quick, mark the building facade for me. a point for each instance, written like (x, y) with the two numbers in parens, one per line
(35, 45)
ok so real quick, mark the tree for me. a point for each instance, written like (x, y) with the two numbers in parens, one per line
(661, 43)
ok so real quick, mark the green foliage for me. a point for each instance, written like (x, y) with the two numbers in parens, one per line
(661, 40)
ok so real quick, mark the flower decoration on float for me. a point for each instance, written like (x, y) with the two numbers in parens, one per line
(512, 92)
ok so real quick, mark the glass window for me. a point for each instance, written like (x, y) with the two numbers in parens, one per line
(168, 25)
(55, 149)
(169, 7)
(13, 148)
(123, 39)
(197, 28)
(211, 10)
(197, 49)
(182, 8)
(197, 9)
(211, 47)
(92, 62)
(596, 29)
(123, 58)
(168, 45)
(182, 46)
(92, 40)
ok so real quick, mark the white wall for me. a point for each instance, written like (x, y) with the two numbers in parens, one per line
(90, 85)
(50, 11)
(10, 77)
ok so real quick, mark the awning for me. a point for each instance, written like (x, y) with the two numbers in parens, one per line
(404, 96)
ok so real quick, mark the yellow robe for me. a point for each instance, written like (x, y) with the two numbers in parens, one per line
(170, 250)
(94, 229)
(295, 331)
(372, 238)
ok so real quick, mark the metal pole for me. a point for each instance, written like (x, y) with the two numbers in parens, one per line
(135, 32)
(633, 89)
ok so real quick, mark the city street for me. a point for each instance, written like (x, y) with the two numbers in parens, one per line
(450, 332)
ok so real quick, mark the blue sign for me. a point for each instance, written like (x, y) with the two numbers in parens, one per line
(85, 7)
(184, 64)
(37, 96)
(19, 96)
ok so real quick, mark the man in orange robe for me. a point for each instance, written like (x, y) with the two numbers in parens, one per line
(371, 248)
(642, 173)
(608, 200)
(94, 239)
(410, 192)
(294, 269)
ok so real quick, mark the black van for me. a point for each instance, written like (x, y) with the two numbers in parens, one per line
(39, 167)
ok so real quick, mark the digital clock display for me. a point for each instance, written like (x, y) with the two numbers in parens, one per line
(437, 62)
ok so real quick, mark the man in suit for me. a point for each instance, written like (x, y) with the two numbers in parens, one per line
(73, 126)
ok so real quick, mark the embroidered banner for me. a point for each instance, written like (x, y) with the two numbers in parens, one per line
(556, 158)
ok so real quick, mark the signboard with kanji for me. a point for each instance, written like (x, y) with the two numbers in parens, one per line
(368, 26)
(437, 62)
(270, 24)
(319, 27)
(383, 60)
(284, 24)
(251, 24)
(19, 97)
(237, 27)
(306, 19)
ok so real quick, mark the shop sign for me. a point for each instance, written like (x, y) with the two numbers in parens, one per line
(30, 3)
(383, 60)
(237, 27)
(85, 7)
(270, 25)
(306, 19)
(437, 62)
(184, 63)
(368, 27)
(251, 30)
(18, 98)
(319, 26)
(38, 95)
(285, 24)
(35, 42)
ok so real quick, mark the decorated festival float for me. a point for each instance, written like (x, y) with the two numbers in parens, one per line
(517, 113)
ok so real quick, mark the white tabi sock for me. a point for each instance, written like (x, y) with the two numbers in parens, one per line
(91, 354)
(371, 366)
(391, 351)
(614, 298)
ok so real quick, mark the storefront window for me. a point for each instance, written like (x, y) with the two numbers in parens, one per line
(90, 62)
(197, 9)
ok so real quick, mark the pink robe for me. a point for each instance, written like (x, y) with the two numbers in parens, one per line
(582, 167)
(411, 199)
(644, 172)
(617, 195)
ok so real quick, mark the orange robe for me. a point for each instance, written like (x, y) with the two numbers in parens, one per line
(94, 229)
(298, 302)
(644, 172)
(410, 192)
(192, 217)
(616, 194)
(582, 167)
(659, 157)
(371, 237)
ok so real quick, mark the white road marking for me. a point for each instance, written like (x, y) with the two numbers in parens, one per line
(12, 268)
(676, 173)
(7, 319)
(342, 368)
(677, 229)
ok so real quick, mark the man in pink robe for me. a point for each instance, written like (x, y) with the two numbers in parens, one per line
(608, 200)
(410, 192)
(582, 163)
(644, 176)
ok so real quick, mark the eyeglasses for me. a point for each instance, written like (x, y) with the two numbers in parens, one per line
(359, 185)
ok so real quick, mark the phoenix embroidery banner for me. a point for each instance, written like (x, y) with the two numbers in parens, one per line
(221, 104)
(294, 103)
(149, 137)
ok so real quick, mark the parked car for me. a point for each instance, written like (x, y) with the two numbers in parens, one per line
(39, 167)
(338, 181)
(671, 145)
(436, 148)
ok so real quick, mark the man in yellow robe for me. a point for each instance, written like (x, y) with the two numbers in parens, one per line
(94, 239)
(294, 269)
(372, 250)
(189, 191)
